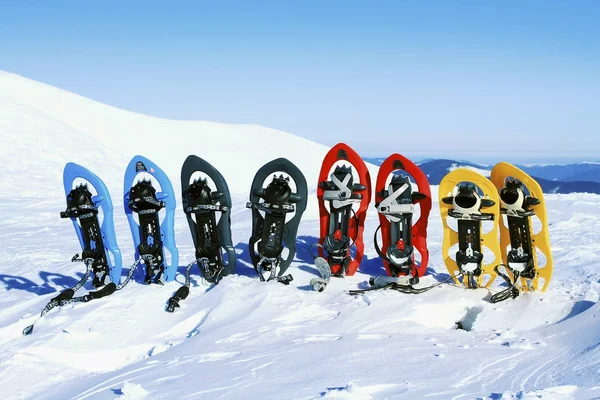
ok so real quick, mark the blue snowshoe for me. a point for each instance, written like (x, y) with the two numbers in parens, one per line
(152, 238)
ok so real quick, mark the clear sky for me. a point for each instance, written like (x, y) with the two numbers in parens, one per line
(439, 78)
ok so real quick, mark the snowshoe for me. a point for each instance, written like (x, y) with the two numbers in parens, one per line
(463, 194)
(212, 239)
(98, 242)
(271, 230)
(341, 225)
(152, 237)
(521, 198)
(319, 284)
(100, 252)
(395, 201)
(201, 205)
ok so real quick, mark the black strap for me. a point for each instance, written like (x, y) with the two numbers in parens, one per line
(352, 241)
(377, 248)
(512, 291)
(183, 292)
(107, 290)
(269, 208)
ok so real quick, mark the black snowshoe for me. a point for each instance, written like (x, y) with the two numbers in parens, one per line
(270, 206)
(211, 233)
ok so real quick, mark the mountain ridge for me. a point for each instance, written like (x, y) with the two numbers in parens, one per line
(563, 179)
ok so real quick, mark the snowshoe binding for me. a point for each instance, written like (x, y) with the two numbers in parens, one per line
(271, 230)
(463, 194)
(395, 201)
(208, 212)
(151, 236)
(338, 195)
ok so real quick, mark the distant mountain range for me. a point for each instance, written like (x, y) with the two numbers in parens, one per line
(582, 177)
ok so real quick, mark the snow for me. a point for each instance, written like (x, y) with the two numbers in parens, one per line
(247, 339)
(484, 172)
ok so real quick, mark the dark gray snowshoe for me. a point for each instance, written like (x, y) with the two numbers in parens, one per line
(208, 213)
(270, 231)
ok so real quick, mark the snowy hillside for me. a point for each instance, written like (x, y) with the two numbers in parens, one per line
(243, 338)
(55, 126)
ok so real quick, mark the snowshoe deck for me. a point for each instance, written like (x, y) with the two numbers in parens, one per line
(395, 204)
(270, 205)
(522, 197)
(341, 226)
(151, 236)
(470, 207)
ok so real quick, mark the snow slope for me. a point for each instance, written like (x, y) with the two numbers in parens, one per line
(243, 338)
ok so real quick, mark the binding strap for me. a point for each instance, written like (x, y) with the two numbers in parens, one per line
(512, 291)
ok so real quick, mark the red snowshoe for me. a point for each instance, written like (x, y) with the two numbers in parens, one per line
(343, 206)
(395, 199)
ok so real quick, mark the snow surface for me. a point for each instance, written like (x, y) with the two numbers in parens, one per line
(484, 172)
(247, 339)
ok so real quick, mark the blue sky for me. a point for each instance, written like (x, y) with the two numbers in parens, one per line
(507, 79)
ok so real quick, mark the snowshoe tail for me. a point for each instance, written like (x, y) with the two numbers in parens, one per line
(521, 198)
(342, 227)
(395, 204)
(470, 198)
(155, 237)
(270, 232)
